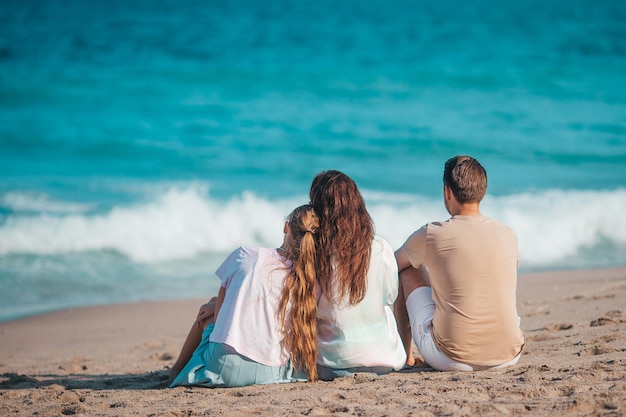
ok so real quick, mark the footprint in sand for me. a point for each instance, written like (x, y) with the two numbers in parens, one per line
(597, 350)
(601, 345)
(160, 357)
(538, 312)
(157, 356)
(608, 338)
(152, 345)
(75, 365)
(548, 331)
(542, 337)
(602, 321)
(611, 317)
(558, 327)
(603, 296)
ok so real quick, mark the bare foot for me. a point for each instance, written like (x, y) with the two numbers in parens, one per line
(410, 362)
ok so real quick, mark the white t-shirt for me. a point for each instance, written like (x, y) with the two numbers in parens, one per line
(247, 320)
(365, 334)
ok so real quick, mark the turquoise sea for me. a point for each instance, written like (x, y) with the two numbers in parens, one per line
(141, 141)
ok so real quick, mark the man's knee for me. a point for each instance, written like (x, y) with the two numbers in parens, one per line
(413, 278)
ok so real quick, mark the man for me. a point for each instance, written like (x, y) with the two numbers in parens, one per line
(459, 278)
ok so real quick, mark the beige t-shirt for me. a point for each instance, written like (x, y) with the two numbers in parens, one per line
(472, 261)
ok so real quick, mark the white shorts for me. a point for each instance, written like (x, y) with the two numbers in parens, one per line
(421, 309)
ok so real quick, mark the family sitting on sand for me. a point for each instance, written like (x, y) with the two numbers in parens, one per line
(334, 299)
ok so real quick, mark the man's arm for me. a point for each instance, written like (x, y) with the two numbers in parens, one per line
(399, 308)
(402, 259)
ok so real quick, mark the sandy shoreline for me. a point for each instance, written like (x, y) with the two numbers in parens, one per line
(105, 361)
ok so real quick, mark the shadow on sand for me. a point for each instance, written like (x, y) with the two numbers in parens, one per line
(151, 380)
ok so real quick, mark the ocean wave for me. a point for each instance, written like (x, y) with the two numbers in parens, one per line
(554, 227)
(178, 224)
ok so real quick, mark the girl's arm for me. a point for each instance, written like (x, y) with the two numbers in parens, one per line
(208, 312)
(219, 301)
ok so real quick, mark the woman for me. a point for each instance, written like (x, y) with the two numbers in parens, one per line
(358, 284)
(261, 328)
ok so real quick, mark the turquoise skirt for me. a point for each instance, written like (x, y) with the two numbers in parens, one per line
(219, 365)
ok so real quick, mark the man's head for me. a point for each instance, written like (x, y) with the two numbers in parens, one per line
(466, 178)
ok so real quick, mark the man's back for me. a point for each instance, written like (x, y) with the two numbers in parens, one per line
(472, 261)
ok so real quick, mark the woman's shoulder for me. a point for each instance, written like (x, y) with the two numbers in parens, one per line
(380, 243)
(381, 249)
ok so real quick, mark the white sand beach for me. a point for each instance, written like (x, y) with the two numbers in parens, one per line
(109, 361)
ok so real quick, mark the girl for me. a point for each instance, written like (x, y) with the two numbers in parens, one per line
(261, 328)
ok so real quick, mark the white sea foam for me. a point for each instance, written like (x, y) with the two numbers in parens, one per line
(185, 221)
(180, 223)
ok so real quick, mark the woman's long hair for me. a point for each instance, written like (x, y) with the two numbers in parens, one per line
(299, 291)
(345, 237)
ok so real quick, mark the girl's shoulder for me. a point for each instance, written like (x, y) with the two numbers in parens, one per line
(248, 250)
(270, 257)
(243, 252)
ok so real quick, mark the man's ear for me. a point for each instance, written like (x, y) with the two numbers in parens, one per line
(447, 193)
